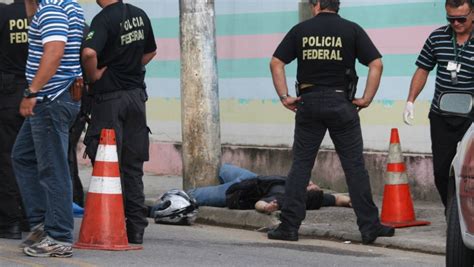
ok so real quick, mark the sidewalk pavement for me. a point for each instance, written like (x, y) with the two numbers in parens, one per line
(335, 223)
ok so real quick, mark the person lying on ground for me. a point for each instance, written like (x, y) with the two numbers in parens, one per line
(243, 189)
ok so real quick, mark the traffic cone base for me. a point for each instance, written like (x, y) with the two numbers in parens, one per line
(397, 207)
(93, 236)
(400, 200)
(103, 225)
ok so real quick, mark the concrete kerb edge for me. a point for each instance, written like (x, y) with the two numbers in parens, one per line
(252, 220)
(397, 242)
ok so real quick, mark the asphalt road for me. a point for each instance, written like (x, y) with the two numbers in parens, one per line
(203, 245)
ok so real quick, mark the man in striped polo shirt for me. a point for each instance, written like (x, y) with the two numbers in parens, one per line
(451, 48)
(40, 151)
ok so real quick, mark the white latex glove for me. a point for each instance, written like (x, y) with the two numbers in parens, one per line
(409, 113)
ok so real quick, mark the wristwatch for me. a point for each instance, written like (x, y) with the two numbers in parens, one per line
(284, 96)
(28, 94)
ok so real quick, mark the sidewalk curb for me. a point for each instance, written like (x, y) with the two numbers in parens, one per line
(249, 219)
(333, 223)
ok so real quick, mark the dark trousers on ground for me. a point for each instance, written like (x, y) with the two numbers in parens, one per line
(446, 132)
(124, 111)
(318, 112)
(10, 123)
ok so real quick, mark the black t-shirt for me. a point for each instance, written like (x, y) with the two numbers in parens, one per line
(274, 193)
(326, 45)
(13, 38)
(121, 50)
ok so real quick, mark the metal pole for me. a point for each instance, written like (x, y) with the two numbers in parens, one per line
(199, 94)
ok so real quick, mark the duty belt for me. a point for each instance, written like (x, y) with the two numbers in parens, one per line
(305, 85)
(305, 88)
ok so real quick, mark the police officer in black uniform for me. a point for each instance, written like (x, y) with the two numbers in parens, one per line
(120, 42)
(326, 47)
(13, 53)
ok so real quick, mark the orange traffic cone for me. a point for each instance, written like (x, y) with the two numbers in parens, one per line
(103, 225)
(397, 207)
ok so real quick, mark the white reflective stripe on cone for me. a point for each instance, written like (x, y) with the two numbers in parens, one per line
(105, 185)
(107, 153)
(394, 178)
(395, 153)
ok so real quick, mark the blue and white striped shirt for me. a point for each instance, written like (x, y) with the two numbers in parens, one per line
(439, 50)
(56, 20)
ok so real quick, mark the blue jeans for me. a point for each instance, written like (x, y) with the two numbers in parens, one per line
(40, 163)
(215, 195)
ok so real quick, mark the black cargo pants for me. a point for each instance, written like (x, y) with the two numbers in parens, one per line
(11, 94)
(446, 132)
(74, 136)
(124, 111)
(319, 111)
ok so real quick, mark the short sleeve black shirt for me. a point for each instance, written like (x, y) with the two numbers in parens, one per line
(121, 50)
(325, 46)
(13, 38)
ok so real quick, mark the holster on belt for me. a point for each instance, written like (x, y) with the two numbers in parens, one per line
(76, 89)
(352, 79)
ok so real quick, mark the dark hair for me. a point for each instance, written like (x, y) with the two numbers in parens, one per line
(457, 3)
(332, 5)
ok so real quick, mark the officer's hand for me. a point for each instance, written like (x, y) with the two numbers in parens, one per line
(409, 113)
(361, 103)
(26, 106)
(290, 102)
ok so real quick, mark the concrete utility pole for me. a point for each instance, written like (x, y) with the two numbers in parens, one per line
(304, 10)
(199, 94)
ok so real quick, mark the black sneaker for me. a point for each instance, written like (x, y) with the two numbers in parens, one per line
(49, 248)
(282, 234)
(369, 238)
(37, 233)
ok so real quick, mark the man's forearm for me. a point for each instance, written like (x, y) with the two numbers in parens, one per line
(49, 63)
(90, 66)
(89, 62)
(148, 57)
(373, 79)
(417, 83)
(277, 68)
